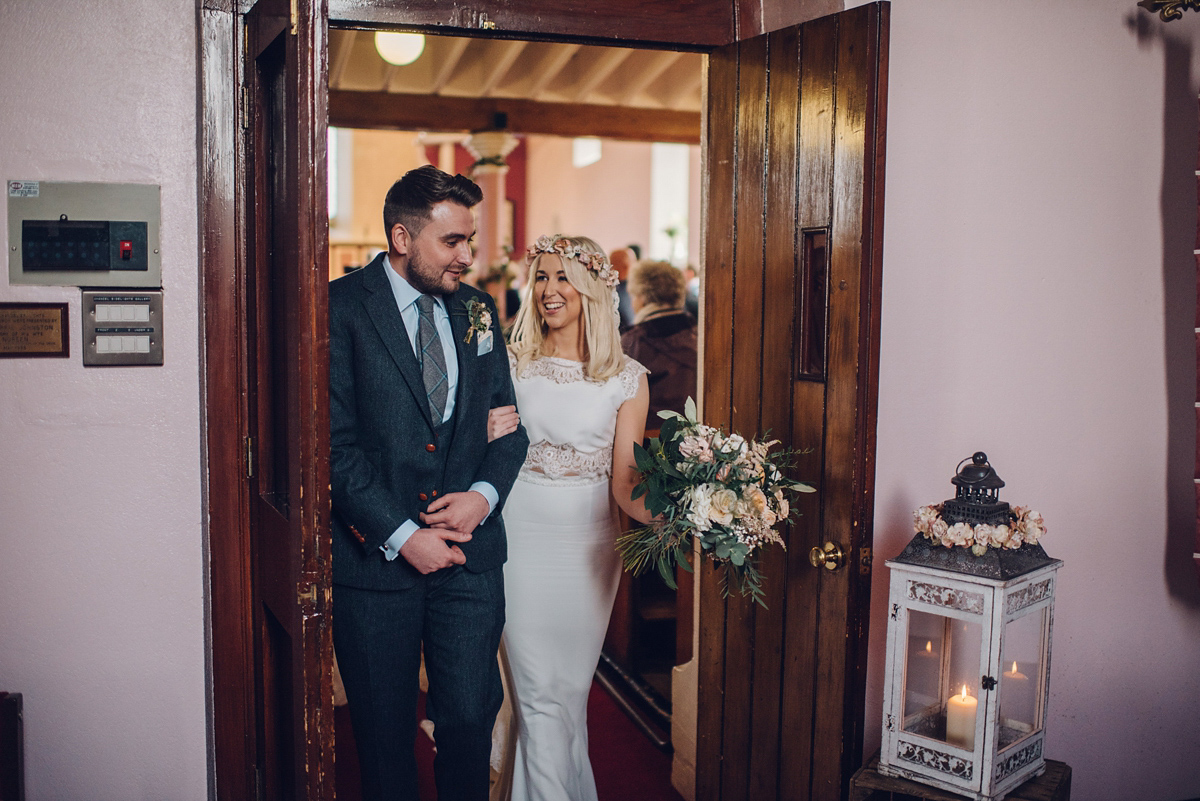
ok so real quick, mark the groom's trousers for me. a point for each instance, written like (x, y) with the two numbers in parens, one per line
(378, 636)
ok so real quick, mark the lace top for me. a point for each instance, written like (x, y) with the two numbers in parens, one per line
(570, 419)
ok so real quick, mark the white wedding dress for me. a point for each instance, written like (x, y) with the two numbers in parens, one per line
(562, 571)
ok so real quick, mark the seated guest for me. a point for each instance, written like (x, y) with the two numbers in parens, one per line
(663, 336)
(622, 260)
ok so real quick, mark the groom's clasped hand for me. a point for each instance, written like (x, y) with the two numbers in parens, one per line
(448, 520)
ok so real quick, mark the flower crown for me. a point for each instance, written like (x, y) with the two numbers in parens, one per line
(595, 262)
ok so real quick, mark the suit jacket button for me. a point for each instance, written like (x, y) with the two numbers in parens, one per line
(423, 496)
(431, 447)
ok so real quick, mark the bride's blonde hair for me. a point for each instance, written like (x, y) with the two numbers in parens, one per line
(588, 270)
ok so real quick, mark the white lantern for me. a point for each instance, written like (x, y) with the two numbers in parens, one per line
(968, 664)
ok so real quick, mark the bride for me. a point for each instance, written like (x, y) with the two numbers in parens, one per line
(583, 403)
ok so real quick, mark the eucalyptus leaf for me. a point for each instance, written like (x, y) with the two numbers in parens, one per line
(669, 428)
(668, 576)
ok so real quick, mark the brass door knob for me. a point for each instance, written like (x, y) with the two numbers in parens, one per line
(830, 556)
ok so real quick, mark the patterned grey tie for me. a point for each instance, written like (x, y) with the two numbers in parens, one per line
(433, 359)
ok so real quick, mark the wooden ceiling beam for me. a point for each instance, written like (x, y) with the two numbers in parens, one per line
(604, 63)
(659, 64)
(688, 85)
(433, 113)
(448, 62)
(500, 66)
(554, 63)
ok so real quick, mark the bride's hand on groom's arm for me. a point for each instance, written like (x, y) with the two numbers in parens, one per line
(502, 421)
(430, 549)
(459, 511)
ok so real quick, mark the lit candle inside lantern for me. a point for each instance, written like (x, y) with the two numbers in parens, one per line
(1014, 674)
(929, 646)
(1016, 697)
(960, 720)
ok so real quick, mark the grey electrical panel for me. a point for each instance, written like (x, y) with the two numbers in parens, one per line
(83, 234)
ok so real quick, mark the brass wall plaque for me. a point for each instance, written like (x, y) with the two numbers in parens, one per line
(34, 330)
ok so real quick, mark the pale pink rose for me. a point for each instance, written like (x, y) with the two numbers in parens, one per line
(937, 530)
(781, 504)
(923, 518)
(724, 502)
(694, 447)
(982, 533)
(755, 499)
(1014, 540)
(958, 534)
(1000, 535)
(1032, 527)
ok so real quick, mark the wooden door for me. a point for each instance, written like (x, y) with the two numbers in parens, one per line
(794, 204)
(287, 391)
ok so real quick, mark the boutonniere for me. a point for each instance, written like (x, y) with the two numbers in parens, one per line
(479, 319)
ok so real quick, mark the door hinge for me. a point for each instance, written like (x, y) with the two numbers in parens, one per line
(306, 592)
(864, 561)
(249, 457)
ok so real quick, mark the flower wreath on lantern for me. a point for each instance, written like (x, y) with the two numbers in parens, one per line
(1024, 526)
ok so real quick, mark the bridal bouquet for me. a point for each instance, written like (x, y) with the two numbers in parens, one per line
(724, 491)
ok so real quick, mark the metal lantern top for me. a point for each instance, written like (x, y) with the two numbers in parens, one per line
(977, 495)
(976, 502)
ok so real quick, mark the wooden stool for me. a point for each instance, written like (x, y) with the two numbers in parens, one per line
(868, 784)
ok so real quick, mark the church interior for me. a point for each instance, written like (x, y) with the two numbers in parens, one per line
(1027, 229)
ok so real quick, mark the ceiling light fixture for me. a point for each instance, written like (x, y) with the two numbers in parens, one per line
(399, 48)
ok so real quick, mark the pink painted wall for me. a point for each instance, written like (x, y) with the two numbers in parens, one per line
(1039, 303)
(608, 201)
(101, 551)
(1039, 300)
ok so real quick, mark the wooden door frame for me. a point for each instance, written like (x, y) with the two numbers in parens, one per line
(701, 26)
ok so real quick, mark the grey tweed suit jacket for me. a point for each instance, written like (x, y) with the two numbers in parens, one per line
(386, 460)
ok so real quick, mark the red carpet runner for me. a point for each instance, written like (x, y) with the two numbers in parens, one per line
(627, 766)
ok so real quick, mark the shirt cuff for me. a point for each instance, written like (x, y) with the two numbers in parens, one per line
(488, 491)
(391, 548)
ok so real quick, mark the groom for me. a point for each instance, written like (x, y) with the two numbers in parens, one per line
(416, 361)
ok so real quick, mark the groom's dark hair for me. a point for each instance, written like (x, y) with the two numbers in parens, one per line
(411, 199)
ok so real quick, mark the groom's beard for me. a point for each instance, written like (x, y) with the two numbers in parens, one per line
(430, 280)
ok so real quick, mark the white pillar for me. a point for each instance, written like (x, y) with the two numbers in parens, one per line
(489, 149)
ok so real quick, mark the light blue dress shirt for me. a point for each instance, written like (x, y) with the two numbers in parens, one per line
(406, 301)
